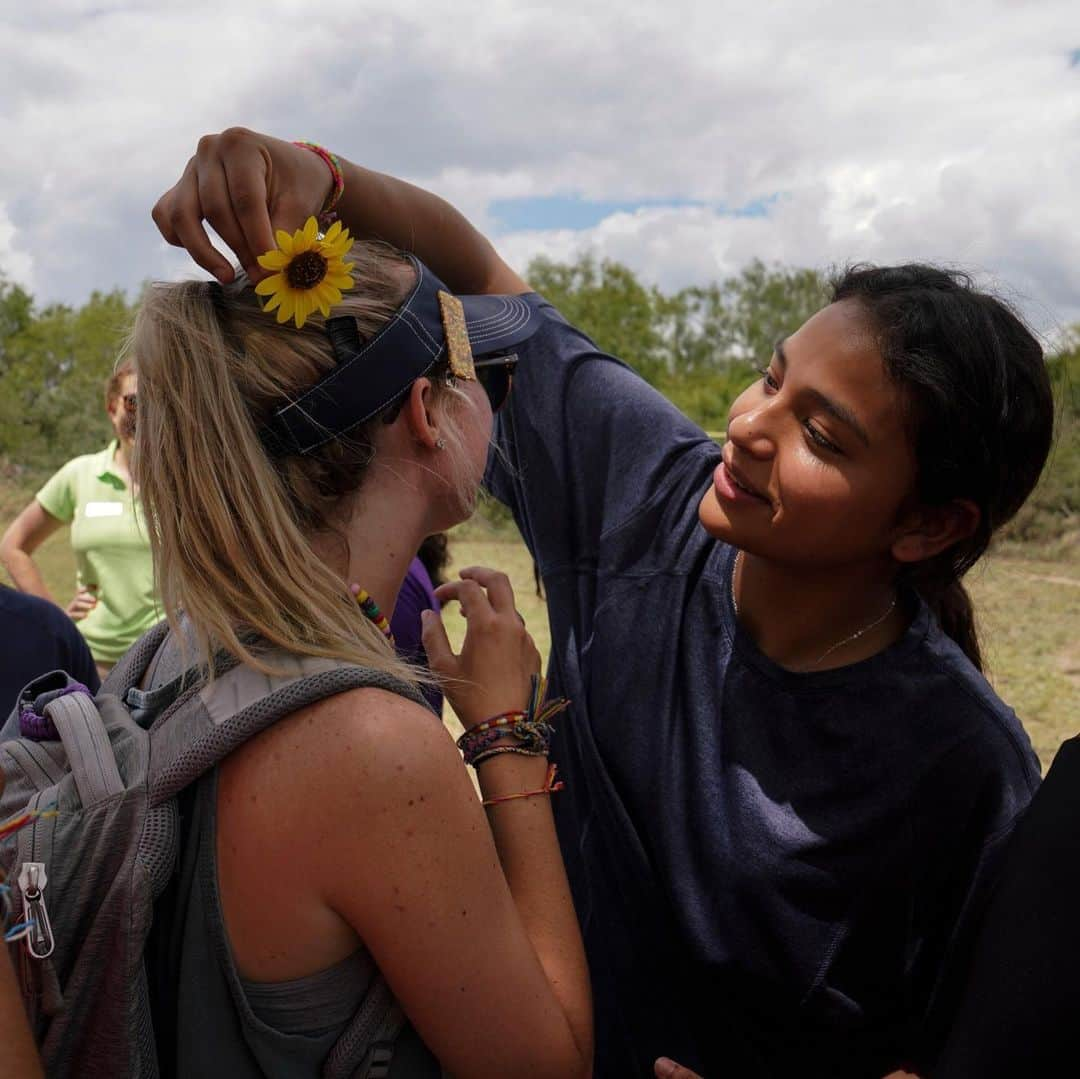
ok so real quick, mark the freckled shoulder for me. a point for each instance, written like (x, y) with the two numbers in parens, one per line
(361, 735)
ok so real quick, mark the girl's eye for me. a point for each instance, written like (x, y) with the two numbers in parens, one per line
(819, 439)
(767, 378)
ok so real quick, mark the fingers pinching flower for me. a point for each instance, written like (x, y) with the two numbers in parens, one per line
(310, 271)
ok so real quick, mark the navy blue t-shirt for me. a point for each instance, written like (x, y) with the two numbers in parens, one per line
(37, 638)
(772, 870)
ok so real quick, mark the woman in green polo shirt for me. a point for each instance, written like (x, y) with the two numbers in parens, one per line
(114, 601)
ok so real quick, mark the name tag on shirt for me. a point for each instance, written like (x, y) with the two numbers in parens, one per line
(103, 509)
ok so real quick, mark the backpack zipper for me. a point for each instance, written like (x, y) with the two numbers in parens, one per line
(32, 881)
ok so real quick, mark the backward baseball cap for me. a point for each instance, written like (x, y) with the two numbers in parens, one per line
(431, 325)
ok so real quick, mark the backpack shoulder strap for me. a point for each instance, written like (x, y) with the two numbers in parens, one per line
(89, 751)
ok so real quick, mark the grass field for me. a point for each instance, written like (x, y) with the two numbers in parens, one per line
(1029, 616)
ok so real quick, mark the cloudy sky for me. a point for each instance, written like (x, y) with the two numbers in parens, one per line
(683, 137)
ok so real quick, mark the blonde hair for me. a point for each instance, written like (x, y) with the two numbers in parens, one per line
(229, 526)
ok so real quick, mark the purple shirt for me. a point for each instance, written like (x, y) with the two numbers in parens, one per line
(417, 594)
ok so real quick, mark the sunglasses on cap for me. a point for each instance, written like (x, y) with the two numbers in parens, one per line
(496, 376)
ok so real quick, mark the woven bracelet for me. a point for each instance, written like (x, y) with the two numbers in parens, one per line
(326, 214)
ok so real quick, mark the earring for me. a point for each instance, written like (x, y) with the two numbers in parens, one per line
(440, 444)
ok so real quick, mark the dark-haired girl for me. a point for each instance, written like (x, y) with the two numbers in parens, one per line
(787, 780)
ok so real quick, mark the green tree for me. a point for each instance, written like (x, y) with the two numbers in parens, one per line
(55, 367)
(610, 304)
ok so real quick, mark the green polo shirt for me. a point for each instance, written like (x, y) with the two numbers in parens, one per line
(112, 550)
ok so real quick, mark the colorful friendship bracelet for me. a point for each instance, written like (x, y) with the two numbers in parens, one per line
(9, 827)
(503, 719)
(326, 214)
(549, 787)
(527, 733)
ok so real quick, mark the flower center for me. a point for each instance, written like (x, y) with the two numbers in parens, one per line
(306, 270)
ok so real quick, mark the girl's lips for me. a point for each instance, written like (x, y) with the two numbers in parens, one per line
(729, 490)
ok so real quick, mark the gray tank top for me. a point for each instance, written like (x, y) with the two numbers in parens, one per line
(225, 1025)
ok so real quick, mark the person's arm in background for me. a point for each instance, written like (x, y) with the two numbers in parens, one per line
(24, 536)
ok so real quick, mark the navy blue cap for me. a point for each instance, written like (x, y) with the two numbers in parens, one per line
(371, 375)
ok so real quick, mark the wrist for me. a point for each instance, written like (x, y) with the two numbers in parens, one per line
(333, 179)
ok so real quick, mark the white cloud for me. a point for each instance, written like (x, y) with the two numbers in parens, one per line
(923, 130)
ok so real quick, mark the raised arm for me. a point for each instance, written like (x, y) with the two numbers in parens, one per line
(594, 439)
(246, 185)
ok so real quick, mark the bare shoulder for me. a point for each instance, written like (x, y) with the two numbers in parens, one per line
(352, 746)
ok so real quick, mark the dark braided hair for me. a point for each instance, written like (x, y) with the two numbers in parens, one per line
(979, 406)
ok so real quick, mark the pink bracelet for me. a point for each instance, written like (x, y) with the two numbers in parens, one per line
(334, 165)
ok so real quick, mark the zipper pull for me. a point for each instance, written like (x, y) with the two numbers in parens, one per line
(32, 881)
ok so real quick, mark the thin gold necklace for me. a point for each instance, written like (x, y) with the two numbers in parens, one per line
(839, 644)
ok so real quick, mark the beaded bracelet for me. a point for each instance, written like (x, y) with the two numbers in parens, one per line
(326, 214)
(549, 787)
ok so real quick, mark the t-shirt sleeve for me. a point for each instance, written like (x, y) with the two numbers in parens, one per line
(585, 446)
(58, 496)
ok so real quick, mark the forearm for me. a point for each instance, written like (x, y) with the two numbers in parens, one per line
(25, 573)
(378, 206)
(21, 1059)
(525, 839)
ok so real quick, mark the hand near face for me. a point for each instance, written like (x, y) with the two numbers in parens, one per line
(493, 672)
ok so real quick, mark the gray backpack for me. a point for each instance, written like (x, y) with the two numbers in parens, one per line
(88, 876)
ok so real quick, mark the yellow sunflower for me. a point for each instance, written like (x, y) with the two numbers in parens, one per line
(310, 271)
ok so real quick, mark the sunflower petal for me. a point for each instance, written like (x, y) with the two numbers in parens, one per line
(338, 248)
(311, 230)
(303, 309)
(288, 306)
(269, 285)
(332, 232)
(339, 281)
(284, 241)
(325, 297)
(274, 301)
(274, 260)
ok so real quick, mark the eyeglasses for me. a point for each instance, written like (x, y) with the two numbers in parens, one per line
(496, 375)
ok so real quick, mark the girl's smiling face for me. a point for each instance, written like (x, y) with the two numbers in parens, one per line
(817, 469)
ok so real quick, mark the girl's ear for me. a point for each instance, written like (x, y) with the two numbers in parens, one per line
(929, 530)
(422, 422)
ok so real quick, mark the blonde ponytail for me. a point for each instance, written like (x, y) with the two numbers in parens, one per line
(228, 525)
